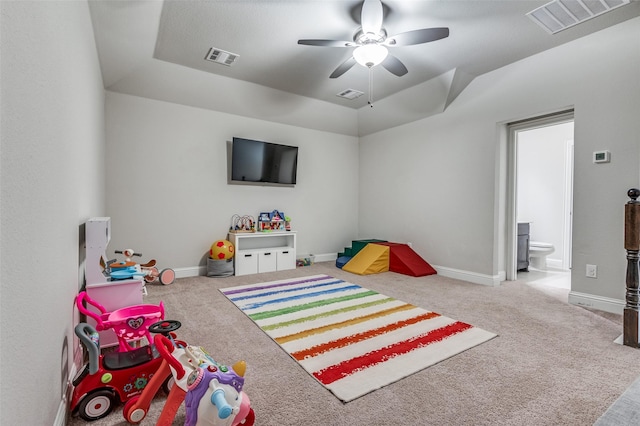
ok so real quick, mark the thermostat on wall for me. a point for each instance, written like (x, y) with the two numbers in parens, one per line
(601, 157)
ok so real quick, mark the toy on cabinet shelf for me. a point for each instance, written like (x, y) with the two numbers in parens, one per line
(274, 221)
(242, 224)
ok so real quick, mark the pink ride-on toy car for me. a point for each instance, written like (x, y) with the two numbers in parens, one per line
(114, 377)
(130, 324)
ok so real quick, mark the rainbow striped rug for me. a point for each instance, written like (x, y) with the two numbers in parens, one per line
(351, 339)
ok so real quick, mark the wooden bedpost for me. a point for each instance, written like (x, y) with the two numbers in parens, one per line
(632, 245)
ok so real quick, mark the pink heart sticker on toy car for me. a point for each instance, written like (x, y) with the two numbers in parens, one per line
(135, 323)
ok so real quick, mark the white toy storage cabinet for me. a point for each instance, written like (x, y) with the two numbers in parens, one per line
(111, 294)
(263, 251)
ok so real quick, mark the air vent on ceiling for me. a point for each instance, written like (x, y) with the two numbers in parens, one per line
(559, 15)
(350, 94)
(222, 57)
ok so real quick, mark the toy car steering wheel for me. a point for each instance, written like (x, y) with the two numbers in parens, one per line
(165, 327)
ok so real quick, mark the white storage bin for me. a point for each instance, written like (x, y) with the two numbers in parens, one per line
(246, 263)
(267, 261)
(286, 260)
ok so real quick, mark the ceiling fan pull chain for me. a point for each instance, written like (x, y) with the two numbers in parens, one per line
(371, 87)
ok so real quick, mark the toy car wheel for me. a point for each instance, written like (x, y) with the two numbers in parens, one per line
(96, 405)
(132, 415)
(127, 407)
(248, 421)
(152, 275)
(167, 276)
(168, 384)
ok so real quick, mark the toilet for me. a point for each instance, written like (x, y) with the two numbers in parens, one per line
(538, 253)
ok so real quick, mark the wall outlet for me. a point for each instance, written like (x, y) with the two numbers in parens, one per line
(592, 271)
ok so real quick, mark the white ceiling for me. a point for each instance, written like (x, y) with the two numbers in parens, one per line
(137, 40)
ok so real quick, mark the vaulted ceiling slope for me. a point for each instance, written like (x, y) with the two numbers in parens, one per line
(157, 50)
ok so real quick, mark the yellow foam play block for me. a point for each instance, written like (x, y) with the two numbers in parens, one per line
(372, 259)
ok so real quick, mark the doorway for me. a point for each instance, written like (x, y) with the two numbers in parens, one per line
(540, 189)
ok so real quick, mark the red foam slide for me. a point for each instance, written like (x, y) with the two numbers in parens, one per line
(403, 260)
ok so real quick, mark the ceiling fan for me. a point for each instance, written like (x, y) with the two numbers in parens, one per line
(371, 42)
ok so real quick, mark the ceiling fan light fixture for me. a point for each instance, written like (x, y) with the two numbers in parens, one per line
(370, 55)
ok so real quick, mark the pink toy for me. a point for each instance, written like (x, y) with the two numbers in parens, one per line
(130, 324)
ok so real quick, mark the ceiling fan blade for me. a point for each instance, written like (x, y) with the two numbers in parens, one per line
(327, 43)
(372, 16)
(424, 35)
(394, 66)
(343, 67)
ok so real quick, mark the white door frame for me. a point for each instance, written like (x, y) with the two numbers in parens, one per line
(568, 208)
(511, 255)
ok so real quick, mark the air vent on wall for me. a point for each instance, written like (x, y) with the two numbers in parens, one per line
(350, 94)
(559, 15)
(221, 57)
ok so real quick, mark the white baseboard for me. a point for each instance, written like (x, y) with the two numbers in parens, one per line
(63, 409)
(61, 416)
(327, 257)
(192, 271)
(606, 304)
(473, 277)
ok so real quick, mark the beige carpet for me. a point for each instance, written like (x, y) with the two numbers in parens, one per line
(553, 364)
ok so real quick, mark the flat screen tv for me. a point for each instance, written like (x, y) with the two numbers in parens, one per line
(263, 163)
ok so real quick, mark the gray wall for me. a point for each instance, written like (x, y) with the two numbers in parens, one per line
(167, 191)
(51, 182)
(436, 181)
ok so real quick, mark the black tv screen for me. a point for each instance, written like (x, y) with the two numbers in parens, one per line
(263, 162)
